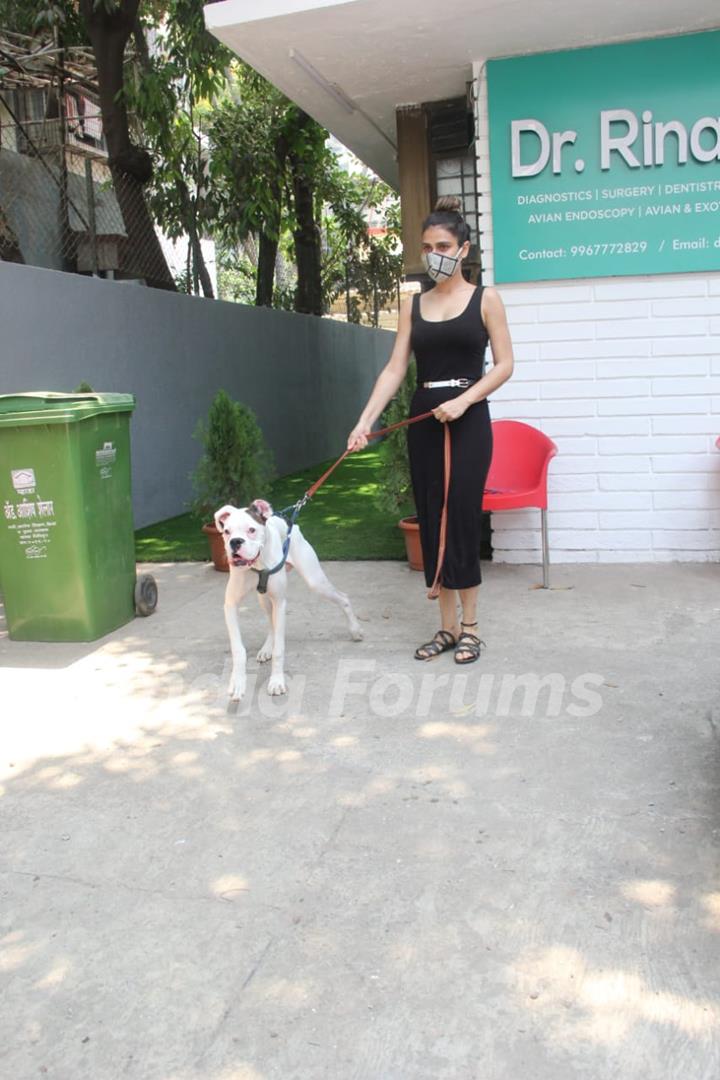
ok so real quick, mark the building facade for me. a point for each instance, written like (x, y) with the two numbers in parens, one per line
(585, 146)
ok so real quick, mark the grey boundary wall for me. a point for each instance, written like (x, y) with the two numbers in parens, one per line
(306, 378)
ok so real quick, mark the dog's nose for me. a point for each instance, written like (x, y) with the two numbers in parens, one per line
(236, 542)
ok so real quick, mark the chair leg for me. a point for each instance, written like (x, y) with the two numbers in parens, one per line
(546, 554)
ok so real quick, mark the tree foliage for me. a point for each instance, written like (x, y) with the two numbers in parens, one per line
(267, 157)
(366, 268)
(216, 151)
(178, 71)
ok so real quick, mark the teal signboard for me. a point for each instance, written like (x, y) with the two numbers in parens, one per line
(607, 160)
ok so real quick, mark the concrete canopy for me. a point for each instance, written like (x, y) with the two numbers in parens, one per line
(351, 64)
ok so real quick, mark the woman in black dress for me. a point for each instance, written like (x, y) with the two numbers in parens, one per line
(448, 329)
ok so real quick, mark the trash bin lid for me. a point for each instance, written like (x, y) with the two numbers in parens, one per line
(48, 407)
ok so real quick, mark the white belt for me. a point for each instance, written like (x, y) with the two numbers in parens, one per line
(448, 382)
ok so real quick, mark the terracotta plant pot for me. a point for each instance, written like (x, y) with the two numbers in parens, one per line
(217, 548)
(411, 531)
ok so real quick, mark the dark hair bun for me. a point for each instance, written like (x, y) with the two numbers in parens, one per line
(448, 215)
(449, 203)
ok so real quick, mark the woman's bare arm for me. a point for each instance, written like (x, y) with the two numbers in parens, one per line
(495, 319)
(388, 381)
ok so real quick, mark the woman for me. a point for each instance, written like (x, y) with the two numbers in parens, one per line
(447, 329)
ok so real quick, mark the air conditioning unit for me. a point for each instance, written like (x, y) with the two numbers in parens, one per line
(451, 127)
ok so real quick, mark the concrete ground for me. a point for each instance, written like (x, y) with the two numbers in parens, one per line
(401, 871)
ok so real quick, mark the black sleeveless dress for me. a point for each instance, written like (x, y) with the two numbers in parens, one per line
(451, 349)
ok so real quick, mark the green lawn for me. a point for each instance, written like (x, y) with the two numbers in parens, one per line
(341, 521)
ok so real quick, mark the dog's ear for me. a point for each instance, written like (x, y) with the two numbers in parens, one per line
(262, 508)
(221, 515)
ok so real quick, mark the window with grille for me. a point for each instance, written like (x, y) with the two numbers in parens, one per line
(453, 162)
(458, 176)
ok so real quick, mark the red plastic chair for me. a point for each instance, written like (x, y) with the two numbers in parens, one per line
(518, 474)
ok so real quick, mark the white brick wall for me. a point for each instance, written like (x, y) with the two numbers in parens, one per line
(624, 375)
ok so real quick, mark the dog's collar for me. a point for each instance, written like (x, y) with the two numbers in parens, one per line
(263, 576)
(262, 572)
(265, 572)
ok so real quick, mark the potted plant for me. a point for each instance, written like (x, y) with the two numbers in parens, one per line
(395, 492)
(236, 466)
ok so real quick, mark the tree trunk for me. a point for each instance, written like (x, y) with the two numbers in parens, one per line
(269, 239)
(266, 270)
(200, 265)
(131, 166)
(308, 298)
(199, 269)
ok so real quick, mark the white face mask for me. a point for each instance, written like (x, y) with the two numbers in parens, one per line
(440, 267)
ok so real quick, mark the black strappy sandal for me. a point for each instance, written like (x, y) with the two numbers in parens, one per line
(441, 642)
(468, 643)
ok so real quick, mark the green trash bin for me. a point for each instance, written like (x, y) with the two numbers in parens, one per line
(67, 551)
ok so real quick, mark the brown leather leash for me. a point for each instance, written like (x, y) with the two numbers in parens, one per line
(447, 467)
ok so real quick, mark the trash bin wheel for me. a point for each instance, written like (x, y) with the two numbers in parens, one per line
(146, 594)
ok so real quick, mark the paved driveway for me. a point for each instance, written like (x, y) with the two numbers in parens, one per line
(401, 871)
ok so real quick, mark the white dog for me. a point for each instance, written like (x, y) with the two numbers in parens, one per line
(254, 540)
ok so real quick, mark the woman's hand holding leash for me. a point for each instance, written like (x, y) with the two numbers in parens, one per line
(450, 410)
(357, 439)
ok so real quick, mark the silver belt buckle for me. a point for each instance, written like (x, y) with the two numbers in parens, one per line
(448, 382)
